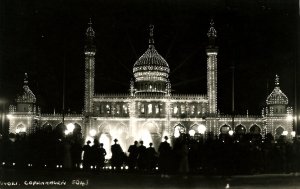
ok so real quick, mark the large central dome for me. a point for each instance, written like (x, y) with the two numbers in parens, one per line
(151, 70)
(277, 97)
(151, 66)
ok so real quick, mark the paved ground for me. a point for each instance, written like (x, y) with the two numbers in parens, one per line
(52, 179)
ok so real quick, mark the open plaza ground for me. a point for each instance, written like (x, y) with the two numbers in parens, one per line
(36, 179)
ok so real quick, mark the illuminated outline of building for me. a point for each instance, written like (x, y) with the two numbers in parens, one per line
(150, 110)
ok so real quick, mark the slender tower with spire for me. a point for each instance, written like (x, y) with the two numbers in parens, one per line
(89, 51)
(212, 52)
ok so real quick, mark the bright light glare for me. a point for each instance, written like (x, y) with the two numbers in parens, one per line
(192, 132)
(71, 127)
(230, 132)
(176, 133)
(289, 118)
(201, 129)
(284, 133)
(93, 132)
(67, 132)
(293, 133)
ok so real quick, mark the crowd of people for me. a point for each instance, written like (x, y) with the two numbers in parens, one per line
(225, 155)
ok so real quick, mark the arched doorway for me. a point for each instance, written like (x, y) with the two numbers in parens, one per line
(224, 129)
(255, 129)
(240, 130)
(279, 132)
(255, 133)
(178, 130)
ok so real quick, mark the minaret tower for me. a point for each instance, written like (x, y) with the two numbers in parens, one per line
(89, 51)
(212, 52)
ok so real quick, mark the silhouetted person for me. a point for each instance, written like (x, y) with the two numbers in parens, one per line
(133, 155)
(95, 155)
(164, 157)
(151, 157)
(102, 154)
(67, 162)
(76, 154)
(87, 155)
(183, 157)
(117, 155)
(142, 157)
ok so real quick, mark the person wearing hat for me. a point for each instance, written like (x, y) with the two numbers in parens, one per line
(164, 150)
(87, 150)
(117, 155)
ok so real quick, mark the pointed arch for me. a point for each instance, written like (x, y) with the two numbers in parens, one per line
(279, 131)
(240, 129)
(224, 129)
(21, 128)
(255, 129)
(152, 127)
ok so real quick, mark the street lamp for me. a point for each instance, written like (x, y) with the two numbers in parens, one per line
(201, 129)
(230, 132)
(284, 133)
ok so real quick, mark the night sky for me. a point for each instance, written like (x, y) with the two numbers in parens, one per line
(259, 37)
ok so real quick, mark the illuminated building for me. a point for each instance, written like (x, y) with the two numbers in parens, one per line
(150, 110)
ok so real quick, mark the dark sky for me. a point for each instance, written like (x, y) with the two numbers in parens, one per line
(259, 37)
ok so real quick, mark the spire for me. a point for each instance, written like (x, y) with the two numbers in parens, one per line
(25, 79)
(151, 40)
(90, 32)
(90, 42)
(212, 34)
(276, 80)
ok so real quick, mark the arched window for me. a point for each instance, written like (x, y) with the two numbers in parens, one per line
(279, 131)
(175, 110)
(149, 108)
(178, 130)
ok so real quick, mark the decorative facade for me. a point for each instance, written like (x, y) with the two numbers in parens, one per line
(149, 111)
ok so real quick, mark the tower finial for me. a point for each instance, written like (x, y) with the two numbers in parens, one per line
(212, 33)
(25, 79)
(90, 32)
(151, 40)
(276, 81)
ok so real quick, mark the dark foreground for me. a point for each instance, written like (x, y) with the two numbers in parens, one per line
(36, 179)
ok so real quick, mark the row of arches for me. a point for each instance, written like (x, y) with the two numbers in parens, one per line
(224, 129)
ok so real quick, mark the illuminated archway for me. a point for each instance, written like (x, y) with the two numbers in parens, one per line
(178, 130)
(224, 129)
(279, 131)
(255, 129)
(240, 130)
(21, 129)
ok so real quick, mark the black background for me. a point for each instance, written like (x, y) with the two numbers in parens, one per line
(259, 37)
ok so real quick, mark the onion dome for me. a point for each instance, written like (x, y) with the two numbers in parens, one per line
(27, 96)
(90, 32)
(151, 66)
(90, 47)
(277, 97)
(212, 31)
(212, 35)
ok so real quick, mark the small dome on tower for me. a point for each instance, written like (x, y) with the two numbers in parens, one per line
(27, 96)
(277, 97)
(90, 32)
(151, 66)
